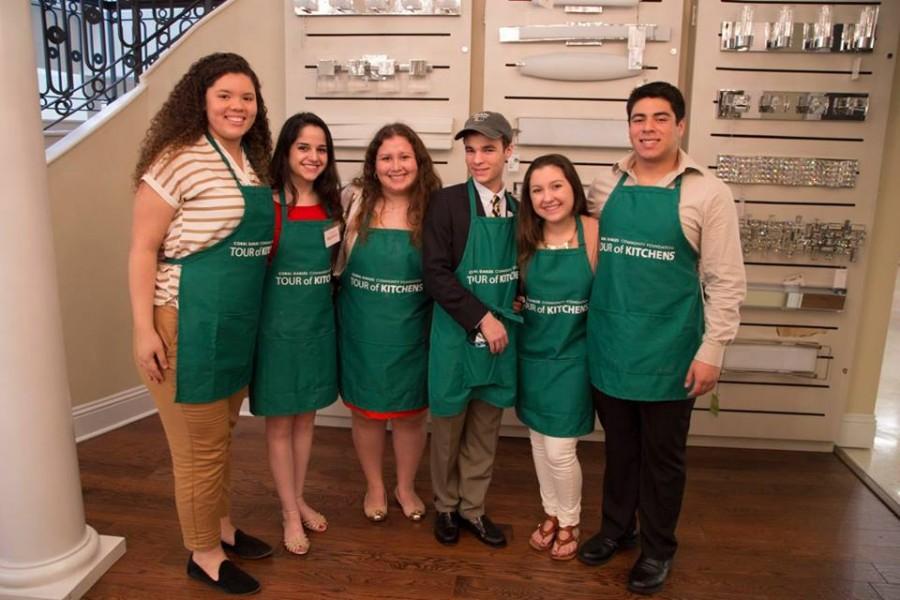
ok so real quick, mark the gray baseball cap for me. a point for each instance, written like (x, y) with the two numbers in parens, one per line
(492, 124)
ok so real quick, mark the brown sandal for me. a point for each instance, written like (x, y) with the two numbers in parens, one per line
(566, 537)
(542, 537)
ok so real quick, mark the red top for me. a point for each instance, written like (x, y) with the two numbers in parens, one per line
(297, 213)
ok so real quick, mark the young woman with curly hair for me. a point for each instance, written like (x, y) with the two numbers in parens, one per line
(557, 245)
(202, 230)
(384, 313)
(296, 359)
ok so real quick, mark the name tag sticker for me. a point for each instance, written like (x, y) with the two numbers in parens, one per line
(332, 236)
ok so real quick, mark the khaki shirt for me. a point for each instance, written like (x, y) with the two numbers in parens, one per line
(710, 224)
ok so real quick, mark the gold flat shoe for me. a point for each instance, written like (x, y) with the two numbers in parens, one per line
(415, 515)
(376, 515)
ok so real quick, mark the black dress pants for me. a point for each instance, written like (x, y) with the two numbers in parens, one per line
(645, 469)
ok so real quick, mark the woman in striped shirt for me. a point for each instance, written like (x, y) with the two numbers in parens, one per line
(202, 231)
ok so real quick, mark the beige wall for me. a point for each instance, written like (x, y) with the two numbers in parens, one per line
(884, 249)
(90, 195)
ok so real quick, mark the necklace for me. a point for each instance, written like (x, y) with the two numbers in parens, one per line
(569, 243)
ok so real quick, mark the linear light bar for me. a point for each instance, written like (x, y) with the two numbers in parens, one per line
(581, 66)
(582, 33)
(579, 133)
(792, 106)
(764, 356)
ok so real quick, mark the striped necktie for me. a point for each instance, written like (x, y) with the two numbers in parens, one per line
(495, 206)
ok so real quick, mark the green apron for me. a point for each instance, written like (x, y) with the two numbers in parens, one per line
(296, 353)
(646, 315)
(219, 300)
(383, 313)
(554, 388)
(460, 365)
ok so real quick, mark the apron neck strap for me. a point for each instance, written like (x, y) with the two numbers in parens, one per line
(470, 188)
(215, 145)
(580, 228)
(676, 183)
(282, 203)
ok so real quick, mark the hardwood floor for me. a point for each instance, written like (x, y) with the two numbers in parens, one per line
(755, 525)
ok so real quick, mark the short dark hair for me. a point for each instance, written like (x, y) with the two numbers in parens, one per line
(658, 89)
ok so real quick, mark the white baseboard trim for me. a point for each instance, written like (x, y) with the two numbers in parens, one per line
(118, 410)
(103, 415)
(857, 431)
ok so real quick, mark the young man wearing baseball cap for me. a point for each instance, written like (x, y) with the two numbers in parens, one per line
(469, 264)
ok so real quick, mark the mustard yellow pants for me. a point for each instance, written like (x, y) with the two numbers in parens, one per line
(199, 437)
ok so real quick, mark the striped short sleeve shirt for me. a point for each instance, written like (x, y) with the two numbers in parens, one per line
(207, 201)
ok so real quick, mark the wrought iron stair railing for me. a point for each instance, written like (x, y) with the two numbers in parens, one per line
(90, 52)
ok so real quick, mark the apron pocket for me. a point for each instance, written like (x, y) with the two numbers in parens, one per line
(481, 368)
(641, 342)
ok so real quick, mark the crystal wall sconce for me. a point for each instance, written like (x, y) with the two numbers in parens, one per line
(338, 8)
(789, 171)
(790, 239)
(585, 6)
(792, 106)
(378, 70)
(786, 35)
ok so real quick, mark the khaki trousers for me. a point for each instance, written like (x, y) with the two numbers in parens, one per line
(462, 458)
(199, 437)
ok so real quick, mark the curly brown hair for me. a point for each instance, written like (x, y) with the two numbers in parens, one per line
(427, 181)
(530, 227)
(182, 119)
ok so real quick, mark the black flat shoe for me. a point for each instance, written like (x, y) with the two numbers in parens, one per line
(248, 547)
(446, 527)
(648, 575)
(232, 580)
(485, 530)
(600, 549)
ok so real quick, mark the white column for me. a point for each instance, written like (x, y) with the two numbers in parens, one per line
(46, 549)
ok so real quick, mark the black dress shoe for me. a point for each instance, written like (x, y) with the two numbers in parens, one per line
(446, 527)
(600, 549)
(231, 579)
(248, 547)
(648, 575)
(485, 530)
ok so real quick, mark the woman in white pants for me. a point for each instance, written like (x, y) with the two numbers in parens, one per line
(557, 244)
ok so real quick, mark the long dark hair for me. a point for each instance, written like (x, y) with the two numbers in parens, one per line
(327, 185)
(530, 228)
(182, 118)
(427, 181)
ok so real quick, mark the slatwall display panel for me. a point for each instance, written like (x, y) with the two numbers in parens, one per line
(443, 41)
(516, 95)
(768, 405)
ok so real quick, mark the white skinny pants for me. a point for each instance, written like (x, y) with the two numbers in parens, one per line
(559, 475)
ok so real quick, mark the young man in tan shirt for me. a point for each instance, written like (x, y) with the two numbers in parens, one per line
(665, 303)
